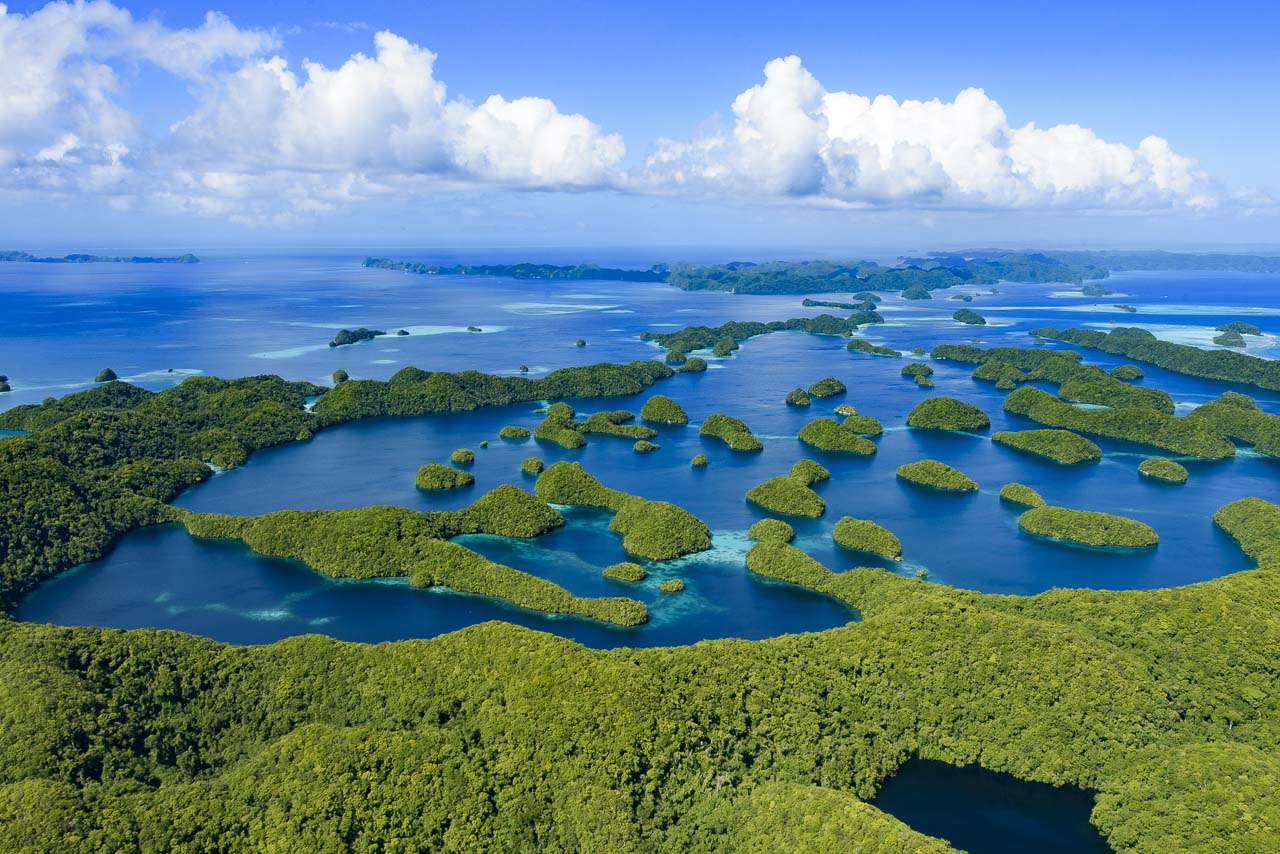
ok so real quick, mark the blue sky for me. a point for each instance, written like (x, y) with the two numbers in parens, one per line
(141, 125)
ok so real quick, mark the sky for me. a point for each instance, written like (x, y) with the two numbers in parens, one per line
(826, 127)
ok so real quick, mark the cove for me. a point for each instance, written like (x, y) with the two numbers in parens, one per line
(986, 812)
(161, 577)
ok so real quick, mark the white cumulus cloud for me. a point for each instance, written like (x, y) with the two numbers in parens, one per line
(793, 138)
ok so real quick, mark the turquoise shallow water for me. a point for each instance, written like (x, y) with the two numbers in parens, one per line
(241, 316)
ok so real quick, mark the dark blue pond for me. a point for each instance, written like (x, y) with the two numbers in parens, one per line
(984, 812)
(221, 317)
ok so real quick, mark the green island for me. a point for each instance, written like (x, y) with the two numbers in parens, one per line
(787, 495)
(1087, 527)
(798, 397)
(625, 571)
(559, 427)
(354, 336)
(771, 531)
(863, 535)
(654, 530)
(809, 472)
(969, 317)
(532, 465)
(1095, 290)
(81, 258)
(963, 297)
(1141, 346)
(861, 345)
(435, 476)
(644, 446)
(576, 272)
(672, 585)
(1127, 372)
(381, 542)
(784, 562)
(827, 387)
(663, 410)
(866, 305)
(1164, 470)
(863, 425)
(1240, 328)
(827, 434)
(1255, 525)
(723, 339)
(936, 475)
(693, 365)
(1186, 436)
(1025, 496)
(463, 456)
(1009, 366)
(4, 384)
(916, 292)
(1238, 417)
(616, 422)
(105, 375)
(1229, 339)
(340, 376)
(846, 409)
(514, 432)
(947, 413)
(731, 431)
(1061, 446)
(920, 372)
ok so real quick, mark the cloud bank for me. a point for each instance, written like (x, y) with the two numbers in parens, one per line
(265, 142)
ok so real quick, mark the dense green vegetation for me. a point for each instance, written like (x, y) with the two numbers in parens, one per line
(917, 371)
(1127, 372)
(798, 397)
(809, 472)
(672, 585)
(723, 339)
(514, 432)
(1087, 527)
(916, 292)
(616, 422)
(663, 410)
(1140, 345)
(936, 475)
(790, 496)
(390, 541)
(863, 535)
(828, 387)
(1255, 525)
(1095, 290)
(827, 434)
(463, 456)
(731, 431)
(655, 530)
(846, 409)
(699, 461)
(340, 376)
(865, 305)
(626, 571)
(1061, 446)
(970, 317)
(947, 413)
(575, 272)
(863, 425)
(1162, 469)
(353, 336)
(105, 375)
(771, 531)
(412, 391)
(693, 365)
(1229, 339)
(558, 426)
(1186, 436)
(1240, 328)
(532, 465)
(1238, 417)
(644, 446)
(4, 384)
(783, 562)
(861, 345)
(1017, 493)
(436, 476)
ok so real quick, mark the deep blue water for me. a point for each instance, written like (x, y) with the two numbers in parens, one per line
(984, 812)
(241, 316)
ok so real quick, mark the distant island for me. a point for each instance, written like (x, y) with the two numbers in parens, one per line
(656, 273)
(78, 258)
(913, 277)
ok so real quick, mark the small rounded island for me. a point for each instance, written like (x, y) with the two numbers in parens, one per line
(1087, 528)
(1164, 470)
(771, 531)
(671, 585)
(947, 413)
(625, 571)
(434, 476)
(663, 410)
(935, 475)
(1021, 495)
(863, 535)
(513, 432)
